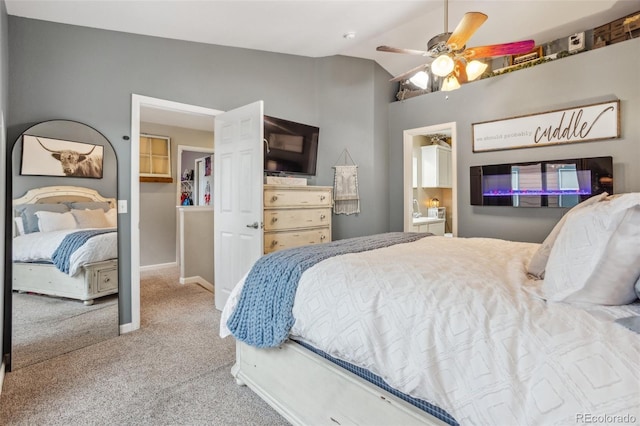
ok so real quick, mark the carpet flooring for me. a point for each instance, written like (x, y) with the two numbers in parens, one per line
(174, 370)
(45, 327)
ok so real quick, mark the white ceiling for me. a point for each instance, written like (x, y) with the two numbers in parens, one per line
(316, 28)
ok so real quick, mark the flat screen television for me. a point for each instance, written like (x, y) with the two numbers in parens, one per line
(289, 148)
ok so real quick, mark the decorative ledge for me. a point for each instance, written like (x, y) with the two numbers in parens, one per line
(156, 179)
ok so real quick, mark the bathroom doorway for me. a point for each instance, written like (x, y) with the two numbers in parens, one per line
(430, 179)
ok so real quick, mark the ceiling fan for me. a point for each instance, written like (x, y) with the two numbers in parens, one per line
(452, 60)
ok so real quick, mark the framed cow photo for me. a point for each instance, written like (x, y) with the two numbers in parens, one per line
(54, 157)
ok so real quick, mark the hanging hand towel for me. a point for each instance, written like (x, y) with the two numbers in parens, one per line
(345, 190)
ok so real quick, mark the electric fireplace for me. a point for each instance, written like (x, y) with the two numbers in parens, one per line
(554, 183)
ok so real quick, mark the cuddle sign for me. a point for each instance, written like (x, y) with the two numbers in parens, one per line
(580, 124)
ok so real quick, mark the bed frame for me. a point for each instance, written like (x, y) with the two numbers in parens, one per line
(308, 389)
(92, 281)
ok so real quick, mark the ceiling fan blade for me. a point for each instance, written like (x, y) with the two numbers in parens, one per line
(468, 25)
(515, 48)
(409, 73)
(401, 50)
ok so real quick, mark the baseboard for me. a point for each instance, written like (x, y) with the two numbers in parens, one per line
(159, 266)
(1, 377)
(127, 328)
(197, 280)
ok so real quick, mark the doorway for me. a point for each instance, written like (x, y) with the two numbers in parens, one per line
(187, 162)
(138, 104)
(420, 198)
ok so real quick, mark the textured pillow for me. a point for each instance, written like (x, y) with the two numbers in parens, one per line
(112, 218)
(596, 257)
(19, 225)
(30, 220)
(539, 259)
(51, 221)
(90, 205)
(90, 218)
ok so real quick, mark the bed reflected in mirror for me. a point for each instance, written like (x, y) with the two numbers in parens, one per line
(65, 241)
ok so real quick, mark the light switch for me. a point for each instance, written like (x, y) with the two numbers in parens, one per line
(122, 206)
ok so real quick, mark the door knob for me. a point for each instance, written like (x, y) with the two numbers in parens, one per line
(254, 225)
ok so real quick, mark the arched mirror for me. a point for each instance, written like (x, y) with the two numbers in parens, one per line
(64, 249)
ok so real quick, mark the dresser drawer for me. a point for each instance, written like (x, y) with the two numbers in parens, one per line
(296, 198)
(602, 31)
(275, 220)
(618, 33)
(617, 24)
(274, 241)
(105, 279)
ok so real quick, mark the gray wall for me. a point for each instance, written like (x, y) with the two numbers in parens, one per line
(353, 97)
(589, 77)
(88, 75)
(158, 216)
(4, 85)
(198, 249)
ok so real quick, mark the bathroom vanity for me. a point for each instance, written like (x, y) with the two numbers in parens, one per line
(428, 224)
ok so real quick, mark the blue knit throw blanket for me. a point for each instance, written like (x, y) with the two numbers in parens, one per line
(263, 316)
(70, 243)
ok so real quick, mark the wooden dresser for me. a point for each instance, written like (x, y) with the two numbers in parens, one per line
(296, 216)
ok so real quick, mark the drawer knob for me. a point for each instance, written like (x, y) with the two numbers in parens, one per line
(322, 197)
(107, 279)
(274, 198)
(322, 237)
(274, 243)
(274, 219)
(322, 217)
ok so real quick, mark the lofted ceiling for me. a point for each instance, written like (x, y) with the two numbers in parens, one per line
(316, 28)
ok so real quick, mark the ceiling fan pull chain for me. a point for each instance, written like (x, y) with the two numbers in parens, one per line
(446, 16)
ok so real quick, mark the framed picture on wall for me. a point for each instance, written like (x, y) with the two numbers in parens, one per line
(55, 157)
(535, 53)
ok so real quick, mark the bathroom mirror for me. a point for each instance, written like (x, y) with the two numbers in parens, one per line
(64, 247)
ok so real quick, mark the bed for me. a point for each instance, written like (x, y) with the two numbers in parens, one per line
(86, 267)
(465, 325)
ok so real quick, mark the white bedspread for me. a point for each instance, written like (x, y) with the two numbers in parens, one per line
(40, 246)
(453, 321)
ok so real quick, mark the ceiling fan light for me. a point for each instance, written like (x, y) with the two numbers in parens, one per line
(450, 83)
(420, 79)
(475, 69)
(442, 66)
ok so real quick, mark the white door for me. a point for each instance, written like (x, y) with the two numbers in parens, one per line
(237, 194)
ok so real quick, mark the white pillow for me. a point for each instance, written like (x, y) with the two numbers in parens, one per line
(539, 259)
(52, 221)
(112, 218)
(90, 218)
(19, 225)
(596, 257)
